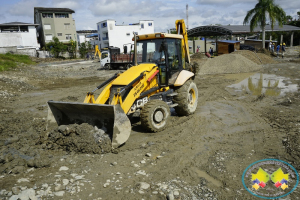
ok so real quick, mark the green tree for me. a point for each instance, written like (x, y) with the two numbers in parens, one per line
(83, 49)
(288, 18)
(72, 48)
(258, 16)
(56, 47)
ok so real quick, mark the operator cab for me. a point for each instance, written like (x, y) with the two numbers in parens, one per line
(164, 50)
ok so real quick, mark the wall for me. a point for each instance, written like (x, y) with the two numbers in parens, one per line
(4, 50)
(25, 39)
(22, 51)
(27, 51)
(200, 43)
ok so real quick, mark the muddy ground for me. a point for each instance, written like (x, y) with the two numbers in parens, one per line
(201, 156)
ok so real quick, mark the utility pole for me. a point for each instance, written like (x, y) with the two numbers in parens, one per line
(187, 17)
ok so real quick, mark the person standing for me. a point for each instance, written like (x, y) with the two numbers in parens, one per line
(211, 51)
(277, 50)
(272, 47)
(198, 48)
(283, 49)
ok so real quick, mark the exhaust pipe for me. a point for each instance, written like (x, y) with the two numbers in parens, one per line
(135, 50)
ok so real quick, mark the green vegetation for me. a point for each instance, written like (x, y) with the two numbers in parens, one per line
(84, 49)
(56, 47)
(258, 16)
(72, 48)
(9, 60)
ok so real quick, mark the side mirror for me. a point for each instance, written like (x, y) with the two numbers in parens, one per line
(125, 49)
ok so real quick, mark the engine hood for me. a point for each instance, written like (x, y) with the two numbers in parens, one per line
(129, 75)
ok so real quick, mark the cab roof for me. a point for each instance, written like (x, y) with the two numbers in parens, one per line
(156, 36)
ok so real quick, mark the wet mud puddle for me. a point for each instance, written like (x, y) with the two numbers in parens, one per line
(267, 84)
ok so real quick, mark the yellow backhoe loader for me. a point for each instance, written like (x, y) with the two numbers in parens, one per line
(160, 78)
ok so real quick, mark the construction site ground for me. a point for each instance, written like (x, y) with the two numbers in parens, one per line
(201, 156)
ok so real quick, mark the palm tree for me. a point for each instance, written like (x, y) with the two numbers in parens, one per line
(263, 10)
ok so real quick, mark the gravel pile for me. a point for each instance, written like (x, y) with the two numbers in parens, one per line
(229, 64)
(258, 58)
(198, 56)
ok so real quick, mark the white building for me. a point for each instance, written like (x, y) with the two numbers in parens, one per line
(18, 34)
(110, 34)
(82, 35)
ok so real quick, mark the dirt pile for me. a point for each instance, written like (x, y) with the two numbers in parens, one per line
(258, 58)
(82, 138)
(18, 149)
(198, 56)
(229, 64)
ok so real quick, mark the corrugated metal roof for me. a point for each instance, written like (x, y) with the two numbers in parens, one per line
(54, 9)
(229, 41)
(246, 28)
(235, 30)
(18, 24)
(92, 35)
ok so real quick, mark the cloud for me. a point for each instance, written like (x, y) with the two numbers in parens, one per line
(23, 8)
(125, 7)
(225, 2)
(72, 4)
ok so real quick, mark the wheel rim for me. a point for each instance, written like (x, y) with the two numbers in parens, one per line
(158, 116)
(192, 97)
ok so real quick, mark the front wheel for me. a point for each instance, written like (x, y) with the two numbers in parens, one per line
(107, 66)
(187, 98)
(155, 115)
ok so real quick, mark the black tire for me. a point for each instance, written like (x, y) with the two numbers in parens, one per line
(155, 115)
(187, 98)
(107, 66)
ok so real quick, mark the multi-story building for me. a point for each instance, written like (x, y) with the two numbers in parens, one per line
(55, 22)
(110, 34)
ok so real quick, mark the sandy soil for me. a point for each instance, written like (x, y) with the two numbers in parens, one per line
(201, 156)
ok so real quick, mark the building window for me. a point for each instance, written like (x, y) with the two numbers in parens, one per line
(103, 25)
(47, 27)
(99, 37)
(150, 24)
(59, 34)
(61, 15)
(128, 34)
(142, 25)
(98, 27)
(67, 26)
(49, 37)
(68, 36)
(47, 15)
(24, 28)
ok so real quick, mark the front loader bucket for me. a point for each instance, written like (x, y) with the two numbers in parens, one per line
(109, 118)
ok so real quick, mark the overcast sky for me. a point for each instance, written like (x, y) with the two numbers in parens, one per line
(164, 13)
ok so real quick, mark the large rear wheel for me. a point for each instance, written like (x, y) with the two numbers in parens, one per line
(155, 115)
(187, 98)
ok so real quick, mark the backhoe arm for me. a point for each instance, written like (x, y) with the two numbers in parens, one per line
(181, 29)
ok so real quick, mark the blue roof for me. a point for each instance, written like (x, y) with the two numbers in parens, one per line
(92, 35)
(228, 41)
